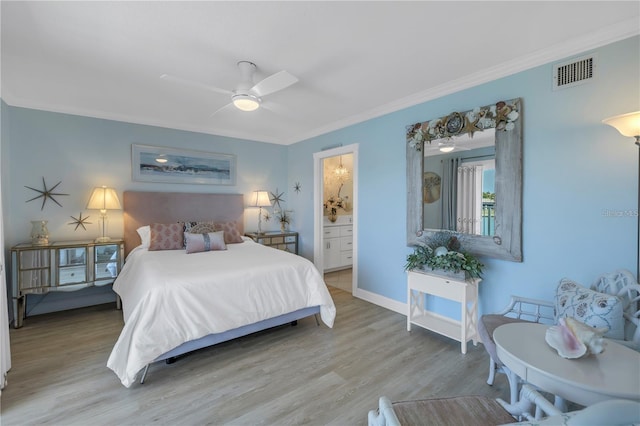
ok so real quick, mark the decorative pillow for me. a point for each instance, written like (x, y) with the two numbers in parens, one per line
(203, 228)
(231, 233)
(145, 235)
(166, 236)
(208, 241)
(198, 227)
(590, 307)
(194, 227)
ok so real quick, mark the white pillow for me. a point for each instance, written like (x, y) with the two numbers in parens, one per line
(145, 235)
(590, 307)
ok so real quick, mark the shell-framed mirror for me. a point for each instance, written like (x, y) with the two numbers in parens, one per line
(471, 185)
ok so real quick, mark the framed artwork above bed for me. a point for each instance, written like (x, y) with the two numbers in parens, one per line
(171, 165)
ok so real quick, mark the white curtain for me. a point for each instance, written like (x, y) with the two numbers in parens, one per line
(5, 349)
(469, 200)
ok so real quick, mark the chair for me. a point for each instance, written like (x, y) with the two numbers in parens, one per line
(620, 283)
(459, 411)
(479, 410)
(519, 309)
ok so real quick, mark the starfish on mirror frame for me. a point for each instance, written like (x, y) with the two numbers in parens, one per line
(276, 198)
(297, 187)
(46, 193)
(80, 221)
(470, 126)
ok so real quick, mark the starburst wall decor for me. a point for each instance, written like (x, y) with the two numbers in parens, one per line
(46, 193)
(276, 199)
(80, 221)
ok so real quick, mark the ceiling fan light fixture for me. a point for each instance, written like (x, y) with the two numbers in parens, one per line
(447, 146)
(246, 102)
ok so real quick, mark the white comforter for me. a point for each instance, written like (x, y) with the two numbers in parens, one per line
(170, 297)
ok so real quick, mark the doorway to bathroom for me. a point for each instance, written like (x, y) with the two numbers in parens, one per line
(335, 218)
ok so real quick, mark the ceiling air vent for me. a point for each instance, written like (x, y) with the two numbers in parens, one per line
(577, 71)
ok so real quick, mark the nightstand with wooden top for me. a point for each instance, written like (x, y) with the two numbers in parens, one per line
(281, 240)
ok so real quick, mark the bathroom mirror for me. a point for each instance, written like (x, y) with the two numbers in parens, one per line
(503, 238)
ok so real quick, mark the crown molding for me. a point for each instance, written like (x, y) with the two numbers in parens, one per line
(603, 36)
(18, 102)
(606, 35)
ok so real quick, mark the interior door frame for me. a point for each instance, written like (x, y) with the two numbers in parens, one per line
(318, 209)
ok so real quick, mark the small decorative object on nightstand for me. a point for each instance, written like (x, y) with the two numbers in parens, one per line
(287, 241)
(39, 233)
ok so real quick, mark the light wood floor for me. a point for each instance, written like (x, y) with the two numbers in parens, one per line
(289, 375)
(340, 279)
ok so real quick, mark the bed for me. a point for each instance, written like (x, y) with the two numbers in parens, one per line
(175, 302)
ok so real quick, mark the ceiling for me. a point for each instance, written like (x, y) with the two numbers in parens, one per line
(463, 142)
(354, 60)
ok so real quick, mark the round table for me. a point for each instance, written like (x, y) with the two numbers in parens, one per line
(612, 374)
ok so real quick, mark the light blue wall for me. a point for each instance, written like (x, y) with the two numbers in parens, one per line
(575, 168)
(86, 152)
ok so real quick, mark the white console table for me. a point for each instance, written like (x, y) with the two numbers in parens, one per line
(420, 284)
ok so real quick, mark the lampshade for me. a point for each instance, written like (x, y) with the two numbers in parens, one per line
(246, 102)
(627, 124)
(260, 199)
(104, 198)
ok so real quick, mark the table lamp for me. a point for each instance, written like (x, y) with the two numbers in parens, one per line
(260, 199)
(103, 199)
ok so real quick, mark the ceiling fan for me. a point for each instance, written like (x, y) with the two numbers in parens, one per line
(247, 96)
(443, 146)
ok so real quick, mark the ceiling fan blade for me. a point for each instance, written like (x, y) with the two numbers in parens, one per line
(230, 104)
(195, 84)
(274, 83)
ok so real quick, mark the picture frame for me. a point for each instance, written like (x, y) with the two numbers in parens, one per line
(173, 165)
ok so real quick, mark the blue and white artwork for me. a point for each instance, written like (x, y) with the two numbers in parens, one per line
(157, 164)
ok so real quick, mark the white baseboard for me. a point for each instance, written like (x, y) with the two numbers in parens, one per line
(385, 302)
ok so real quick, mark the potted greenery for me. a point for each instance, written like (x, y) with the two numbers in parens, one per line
(284, 217)
(442, 253)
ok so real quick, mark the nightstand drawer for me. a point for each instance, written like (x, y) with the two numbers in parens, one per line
(286, 240)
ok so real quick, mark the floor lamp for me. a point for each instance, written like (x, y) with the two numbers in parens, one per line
(629, 125)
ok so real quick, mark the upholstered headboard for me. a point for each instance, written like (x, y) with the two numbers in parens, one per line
(144, 208)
